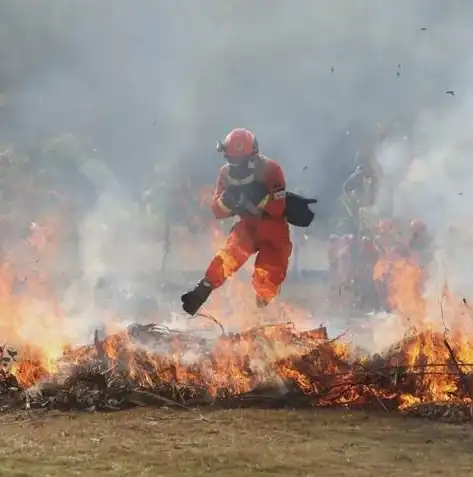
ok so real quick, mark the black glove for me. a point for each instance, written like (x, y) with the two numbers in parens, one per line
(255, 192)
(231, 198)
(194, 299)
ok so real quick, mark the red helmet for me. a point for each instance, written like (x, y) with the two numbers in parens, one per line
(239, 144)
(418, 226)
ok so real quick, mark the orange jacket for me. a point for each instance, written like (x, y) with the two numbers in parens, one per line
(267, 172)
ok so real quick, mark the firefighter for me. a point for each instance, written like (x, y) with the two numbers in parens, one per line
(388, 240)
(253, 188)
(361, 184)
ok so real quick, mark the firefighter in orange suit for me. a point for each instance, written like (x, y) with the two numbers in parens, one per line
(252, 187)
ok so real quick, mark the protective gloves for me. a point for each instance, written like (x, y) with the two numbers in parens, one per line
(194, 299)
(232, 198)
(249, 200)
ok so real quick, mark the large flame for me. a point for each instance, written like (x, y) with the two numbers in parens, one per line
(32, 322)
(438, 352)
(404, 284)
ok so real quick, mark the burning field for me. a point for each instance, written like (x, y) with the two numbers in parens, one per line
(232, 384)
(275, 366)
(279, 398)
(194, 379)
(427, 372)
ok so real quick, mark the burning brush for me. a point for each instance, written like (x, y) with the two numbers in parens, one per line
(149, 365)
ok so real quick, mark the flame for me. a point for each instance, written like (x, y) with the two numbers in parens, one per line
(424, 366)
(404, 279)
(30, 316)
(425, 348)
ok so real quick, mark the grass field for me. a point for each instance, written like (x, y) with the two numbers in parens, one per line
(146, 442)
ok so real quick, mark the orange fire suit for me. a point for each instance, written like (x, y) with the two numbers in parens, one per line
(267, 236)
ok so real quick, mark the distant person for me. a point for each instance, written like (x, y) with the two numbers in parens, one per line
(361, 186)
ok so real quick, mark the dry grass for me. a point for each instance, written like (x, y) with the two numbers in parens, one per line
(164, 442)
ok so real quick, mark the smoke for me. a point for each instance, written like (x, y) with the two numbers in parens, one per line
(157, 83)
(151, 85)
(428, 175)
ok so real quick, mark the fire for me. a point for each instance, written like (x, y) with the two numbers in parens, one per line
(33, 367)
(427, 365)
(439, 357)
(428, 354)
(404, 281)
(30, 316)
(235, 364)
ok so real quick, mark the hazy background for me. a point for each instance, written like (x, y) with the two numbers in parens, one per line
(155, 82)
(146, 87)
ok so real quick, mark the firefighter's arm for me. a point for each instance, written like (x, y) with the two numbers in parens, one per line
(219, 209)
(274, 203)
(268, 199)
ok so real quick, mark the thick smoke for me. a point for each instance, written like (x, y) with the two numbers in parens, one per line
(151, 85)
(157, 83)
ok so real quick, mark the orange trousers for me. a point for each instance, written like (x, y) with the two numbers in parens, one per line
(270, 240)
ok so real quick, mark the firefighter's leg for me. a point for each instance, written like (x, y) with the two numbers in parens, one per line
(270, 270)
(236, 251)
(238, 248)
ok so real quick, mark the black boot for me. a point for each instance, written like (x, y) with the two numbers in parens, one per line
(194, 299)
